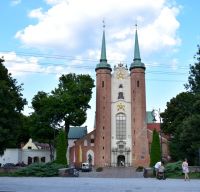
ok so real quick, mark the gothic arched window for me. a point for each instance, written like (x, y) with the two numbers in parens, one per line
(121, 126)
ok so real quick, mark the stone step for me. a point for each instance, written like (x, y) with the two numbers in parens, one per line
(113, 172)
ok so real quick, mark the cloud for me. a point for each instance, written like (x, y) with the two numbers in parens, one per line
(15, 2)
(22, 65)
(161, 33)
(37, 14)
(54, 2)
(73, 26)
(18, 65)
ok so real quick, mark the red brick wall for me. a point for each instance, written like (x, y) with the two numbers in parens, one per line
(75, 150)
(165, 138)
(140, 149)
(103, 118)
(152, 126)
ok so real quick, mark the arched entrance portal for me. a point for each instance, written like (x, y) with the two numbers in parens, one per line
(121, 161)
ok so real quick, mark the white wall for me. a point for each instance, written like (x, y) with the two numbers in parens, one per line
(121, 75)
(11, 156)
(30, 145)
(35, 153)
(21, 155)
(70, 144)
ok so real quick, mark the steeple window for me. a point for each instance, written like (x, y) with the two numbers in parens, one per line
(120, 86)
(120, 95)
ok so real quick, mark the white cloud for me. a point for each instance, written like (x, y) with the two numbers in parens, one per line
(74, 26)
(37, 13)
(15, 2)
(162, 32)
(19, 65)
(53, 2)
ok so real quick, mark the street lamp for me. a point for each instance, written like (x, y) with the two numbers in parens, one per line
(154, 114)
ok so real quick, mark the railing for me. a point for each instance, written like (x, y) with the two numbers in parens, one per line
(194, 169)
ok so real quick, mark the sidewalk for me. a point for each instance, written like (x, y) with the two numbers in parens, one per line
(83, 184)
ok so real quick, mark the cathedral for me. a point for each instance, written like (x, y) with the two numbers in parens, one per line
(120, 136)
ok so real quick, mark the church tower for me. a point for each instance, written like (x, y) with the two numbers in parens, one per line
(103, 109)
(121, 129)
(140, 149)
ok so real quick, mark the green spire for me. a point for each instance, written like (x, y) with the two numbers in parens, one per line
(137, 49)
(103, 49)
(137, 60)
(103, 60)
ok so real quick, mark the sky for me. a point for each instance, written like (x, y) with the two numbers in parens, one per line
(42, 39)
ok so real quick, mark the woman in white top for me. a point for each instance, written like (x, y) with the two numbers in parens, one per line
(185, 169)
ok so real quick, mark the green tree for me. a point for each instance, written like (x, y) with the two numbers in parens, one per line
(61, 148)
(11, 105)
(64, 106)
(190, 139)
(69, 102)
(176, 121)
(181, 117)
(155, 153)
(193, 84)
(23, 132)
(178, 108)
(42, 127)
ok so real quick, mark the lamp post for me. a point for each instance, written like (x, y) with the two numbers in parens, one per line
(154, 114)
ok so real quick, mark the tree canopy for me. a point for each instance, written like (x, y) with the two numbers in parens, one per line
(181, 118)
(65, 106)
(11, 105)
(71, 99)
(193, 84)
(178, 109)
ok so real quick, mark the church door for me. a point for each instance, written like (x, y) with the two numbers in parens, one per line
(121, 161)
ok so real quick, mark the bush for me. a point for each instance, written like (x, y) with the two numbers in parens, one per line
(140, 169)
(174, 170)
(61, 148)
(39, 170)
(155, 154)
(99, 169)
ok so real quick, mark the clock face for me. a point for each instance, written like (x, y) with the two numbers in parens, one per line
(120, 75)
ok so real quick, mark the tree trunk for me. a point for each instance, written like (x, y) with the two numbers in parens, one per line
(51, 148)
(66, 131)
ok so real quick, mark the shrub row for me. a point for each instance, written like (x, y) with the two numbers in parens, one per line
(39, 170)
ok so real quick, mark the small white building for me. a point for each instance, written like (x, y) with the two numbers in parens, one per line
(33, 152)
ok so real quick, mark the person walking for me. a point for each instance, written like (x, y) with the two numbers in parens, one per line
(185, 169)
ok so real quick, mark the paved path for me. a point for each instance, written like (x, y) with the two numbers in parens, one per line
(83, 184)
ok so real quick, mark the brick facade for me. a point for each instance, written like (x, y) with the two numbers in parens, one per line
(103, 117)
(140, 153)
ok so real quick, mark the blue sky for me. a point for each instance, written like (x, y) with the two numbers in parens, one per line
(42, 39)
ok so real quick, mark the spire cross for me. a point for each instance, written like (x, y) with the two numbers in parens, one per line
(136, 25)
(104, 24)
